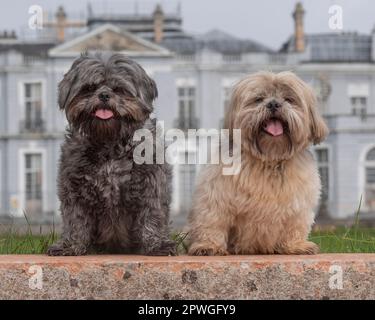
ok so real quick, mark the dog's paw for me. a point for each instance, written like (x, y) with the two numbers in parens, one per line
(59, 249)
(165, 248)
(202, 250)
(300, 247)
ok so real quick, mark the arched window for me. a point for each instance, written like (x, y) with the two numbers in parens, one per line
(370, 180)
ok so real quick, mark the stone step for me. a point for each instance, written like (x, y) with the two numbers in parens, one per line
(324, 276)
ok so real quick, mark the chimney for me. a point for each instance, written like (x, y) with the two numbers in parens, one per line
(299, 34)
(158, 24)
(60, 23)
(11, 35)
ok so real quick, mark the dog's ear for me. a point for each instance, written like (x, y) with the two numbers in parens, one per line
(69, 85)
(318, 128)
(152, 90)
(65, 89)
(147, 91)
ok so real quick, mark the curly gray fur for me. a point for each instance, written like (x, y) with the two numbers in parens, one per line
(108, 202)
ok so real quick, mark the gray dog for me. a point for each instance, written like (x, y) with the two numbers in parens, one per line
(108, 202)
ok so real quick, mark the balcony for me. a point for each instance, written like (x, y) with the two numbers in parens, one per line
(232, 58)
(350, 123)
(185, 124)
(32, 126)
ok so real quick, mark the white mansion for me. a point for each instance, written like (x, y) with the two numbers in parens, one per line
(194, 75)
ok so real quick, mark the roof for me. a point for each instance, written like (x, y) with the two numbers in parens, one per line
(215, 40)
(176, 41)
(34, 49)
(109, 37)
(174, 37)
(335, 47)
(142, 25)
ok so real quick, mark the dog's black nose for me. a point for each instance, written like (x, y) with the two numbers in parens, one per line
(103, 96)
(273, 105)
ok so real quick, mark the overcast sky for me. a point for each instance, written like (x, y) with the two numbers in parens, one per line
(267, 21)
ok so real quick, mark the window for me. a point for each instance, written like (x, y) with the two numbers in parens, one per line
(358, 94)
(186, 174)
(359, 106)
(226, 102)
(226, 98)
(33, 121)
(322, 157)
(323, 167)
(323, 160)
(369, 195)
(186, 108)
(33, 183)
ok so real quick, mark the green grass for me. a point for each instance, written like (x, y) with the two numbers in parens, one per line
(345, 240)
(340, 240)
(353, 239)
(14, 242)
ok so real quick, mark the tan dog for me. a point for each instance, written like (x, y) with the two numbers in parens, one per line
(268, 207)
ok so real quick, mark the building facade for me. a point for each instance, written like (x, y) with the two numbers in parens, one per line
(194, 74)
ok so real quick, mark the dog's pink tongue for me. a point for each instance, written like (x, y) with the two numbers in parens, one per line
(274, 127)
(103, 114)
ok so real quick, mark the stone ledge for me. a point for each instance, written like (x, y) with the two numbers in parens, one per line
(184, 277)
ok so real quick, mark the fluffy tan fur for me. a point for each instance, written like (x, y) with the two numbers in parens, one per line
(268, 207)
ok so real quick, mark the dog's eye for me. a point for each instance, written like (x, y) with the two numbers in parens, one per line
(89, 88)
(122, 91)
(118, 90)
(289, 100)
(259, 99)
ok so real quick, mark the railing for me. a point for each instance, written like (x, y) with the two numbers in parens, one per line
(32, 126)
(232, 58)
(277, 58)
(185, 57)
(186, 123)
(360, 112)
(32, 59)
